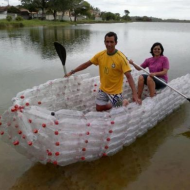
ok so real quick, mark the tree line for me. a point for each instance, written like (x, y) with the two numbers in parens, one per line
(75, 8)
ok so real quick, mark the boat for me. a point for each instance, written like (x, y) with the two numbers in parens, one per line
(56, 122)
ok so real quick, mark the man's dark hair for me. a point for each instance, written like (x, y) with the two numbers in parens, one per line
(110, 34)
(157, 44)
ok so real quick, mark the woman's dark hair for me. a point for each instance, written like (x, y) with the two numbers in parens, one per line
(157, 44)
(110, 34)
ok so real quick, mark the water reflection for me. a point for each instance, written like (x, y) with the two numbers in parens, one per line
(186, 134)
(41, 39)
(115, 172)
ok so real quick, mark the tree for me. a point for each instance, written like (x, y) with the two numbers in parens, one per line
(78, 7)
(29, 5)
(117, 16)
(13, 9)
(41, 4)
(126, 12)
(58, 5)
(108, 16)
(94, 12)
(126, 16)
(75, 7)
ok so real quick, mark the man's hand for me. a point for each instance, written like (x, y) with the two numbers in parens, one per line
(79, 68)
(68, 74)
(133, 88)
(137, 100)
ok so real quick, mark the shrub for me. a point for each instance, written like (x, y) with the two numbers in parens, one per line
(19, 18)
(9, 18)
(2, 25)
(13, 9)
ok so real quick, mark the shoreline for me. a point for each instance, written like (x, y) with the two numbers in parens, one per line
(4, 24)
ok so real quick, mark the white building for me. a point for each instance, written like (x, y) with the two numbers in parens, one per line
(3, 12)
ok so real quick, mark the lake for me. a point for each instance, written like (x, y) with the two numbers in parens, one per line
(157, 160)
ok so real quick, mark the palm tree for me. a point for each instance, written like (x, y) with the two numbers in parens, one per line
(126, 12)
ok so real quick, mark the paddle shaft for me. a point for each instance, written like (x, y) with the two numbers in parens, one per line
(64, 69)
(162, 82)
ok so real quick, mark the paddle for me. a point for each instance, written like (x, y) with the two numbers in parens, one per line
(162, 82)
(62, 54)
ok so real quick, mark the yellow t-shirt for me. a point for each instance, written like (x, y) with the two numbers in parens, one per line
(111, 69)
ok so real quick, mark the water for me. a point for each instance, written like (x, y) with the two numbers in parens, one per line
(158, 160)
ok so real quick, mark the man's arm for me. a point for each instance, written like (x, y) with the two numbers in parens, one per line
(79, 68)
(133, 88)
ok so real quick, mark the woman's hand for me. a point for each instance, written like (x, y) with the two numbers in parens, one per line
(152, 75)
(161, 73)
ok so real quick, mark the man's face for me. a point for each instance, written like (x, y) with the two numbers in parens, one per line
(110, 44)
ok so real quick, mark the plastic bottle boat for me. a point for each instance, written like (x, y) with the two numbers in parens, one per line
(56, 122)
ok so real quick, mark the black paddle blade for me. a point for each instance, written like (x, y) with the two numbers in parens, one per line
(61, 52)
(188, 99)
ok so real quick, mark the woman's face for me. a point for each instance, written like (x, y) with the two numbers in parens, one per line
(157, 51)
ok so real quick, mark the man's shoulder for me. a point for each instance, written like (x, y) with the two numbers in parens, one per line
(120, 53)
(97, 57)
(121, 57)
(101, 53)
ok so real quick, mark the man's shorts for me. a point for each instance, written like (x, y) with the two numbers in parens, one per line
(103, 99)
(159, 85)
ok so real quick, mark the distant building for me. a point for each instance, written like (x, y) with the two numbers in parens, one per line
(3, 12)
(59, 16)
(25, 14)
(98, 18)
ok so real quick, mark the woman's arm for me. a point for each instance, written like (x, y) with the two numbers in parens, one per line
(161, 73)
(134, 65)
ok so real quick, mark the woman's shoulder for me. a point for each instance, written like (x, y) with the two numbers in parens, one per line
(164, 58)
(159, 58)
(149, 59)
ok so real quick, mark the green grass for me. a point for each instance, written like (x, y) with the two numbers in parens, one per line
(29, 23)
(93, 21)
(35, 22)
(8, 24)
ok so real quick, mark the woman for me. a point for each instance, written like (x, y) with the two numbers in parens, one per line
(158, 66)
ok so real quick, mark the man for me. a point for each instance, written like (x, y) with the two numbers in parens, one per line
(112, 66)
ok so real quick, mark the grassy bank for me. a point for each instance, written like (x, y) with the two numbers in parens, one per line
(29, 23)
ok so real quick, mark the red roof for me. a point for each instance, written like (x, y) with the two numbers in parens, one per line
(24, 10)
(2, 9)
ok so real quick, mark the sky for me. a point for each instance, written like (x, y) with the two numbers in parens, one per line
(165, 9)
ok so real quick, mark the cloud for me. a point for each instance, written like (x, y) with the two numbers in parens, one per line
(155, 8)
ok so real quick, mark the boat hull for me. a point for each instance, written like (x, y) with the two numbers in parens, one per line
(56, 122)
